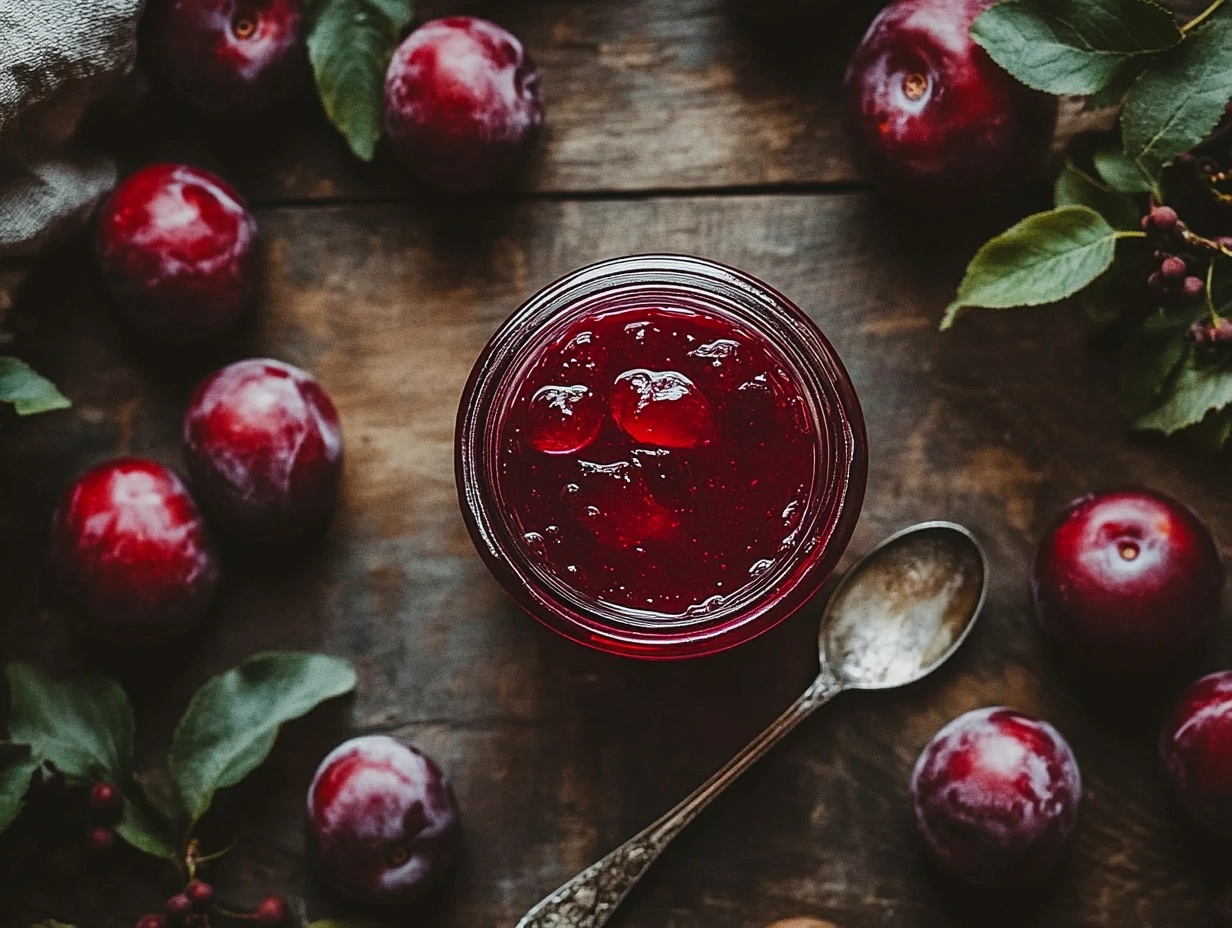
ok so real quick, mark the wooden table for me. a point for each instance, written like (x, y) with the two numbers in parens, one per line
(672, 126)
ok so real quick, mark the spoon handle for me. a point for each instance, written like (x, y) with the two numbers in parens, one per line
(589, 899)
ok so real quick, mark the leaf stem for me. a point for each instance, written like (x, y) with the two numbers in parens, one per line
(1127, 233)
(1201, 17)
(237, 916)
(217, 855)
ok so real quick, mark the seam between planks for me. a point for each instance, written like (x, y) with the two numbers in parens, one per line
(826, 188)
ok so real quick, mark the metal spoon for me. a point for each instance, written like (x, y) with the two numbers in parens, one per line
(895, 617)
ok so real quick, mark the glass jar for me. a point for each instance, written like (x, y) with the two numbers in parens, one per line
(497, 503)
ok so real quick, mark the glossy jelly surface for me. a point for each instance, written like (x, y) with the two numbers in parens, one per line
(658, 457)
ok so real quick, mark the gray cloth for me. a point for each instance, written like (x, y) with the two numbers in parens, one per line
(57, 58)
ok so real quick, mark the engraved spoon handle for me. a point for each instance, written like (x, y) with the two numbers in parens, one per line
(589, 899)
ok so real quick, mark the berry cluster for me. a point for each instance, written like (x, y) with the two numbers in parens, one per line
(192, 907)
(1173, 280)
(1206, 332)
(105, 811)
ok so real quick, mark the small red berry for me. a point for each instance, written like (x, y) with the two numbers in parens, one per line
(179, 906)
(271, 911)
(1163, 219)
(1172, 267)
(197, 920)
(153, 920)
(201, 894)
(1193, 287)
(104, 797)
(102, 839)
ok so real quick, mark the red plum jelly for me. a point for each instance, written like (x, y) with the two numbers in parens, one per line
(660, 457)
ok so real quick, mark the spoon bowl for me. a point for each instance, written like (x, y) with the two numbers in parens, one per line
(904, 607)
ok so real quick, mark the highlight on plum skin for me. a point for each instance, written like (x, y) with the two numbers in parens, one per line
(996, 795)
(463, 100)
(1196, 749)
(228, 57)
(656, 458)
(382, 821)
(1127, 582)
(263, 445)
(933, 120)
(133, 554)
(178, 248)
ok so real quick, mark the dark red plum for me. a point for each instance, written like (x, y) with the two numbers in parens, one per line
(932, 120)
(178, 249)
(1196, 749)
(462, 102)
(996, 796)
(1127, 582)
(133, 554)
(263, 447)
(229, 57)
(382, 821)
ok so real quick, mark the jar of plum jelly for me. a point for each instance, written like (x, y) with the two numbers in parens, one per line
(660, 457)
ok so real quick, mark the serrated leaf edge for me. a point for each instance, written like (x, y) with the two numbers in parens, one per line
(1138, 158)
(1123, 56)
(958, 306)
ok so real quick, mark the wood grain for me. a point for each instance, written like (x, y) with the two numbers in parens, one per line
(558, 753)
(641, 95)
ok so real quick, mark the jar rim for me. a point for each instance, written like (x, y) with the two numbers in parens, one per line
(832, 508)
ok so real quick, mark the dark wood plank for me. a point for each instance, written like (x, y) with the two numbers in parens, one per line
(641, 95)
(559, 753)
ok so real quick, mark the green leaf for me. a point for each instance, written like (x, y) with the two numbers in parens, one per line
(1213, 432)
(83, 726)
(137, 831)
(1151, 356)
(1044, 258)
(230, 726)
(350, 44)
(1119, 171)
(1176, 103)
(143, 826)
(17, 766)
(1113, 93)
(1197, 389)
(30, 393)
(1065, 47)
(1076, 188)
